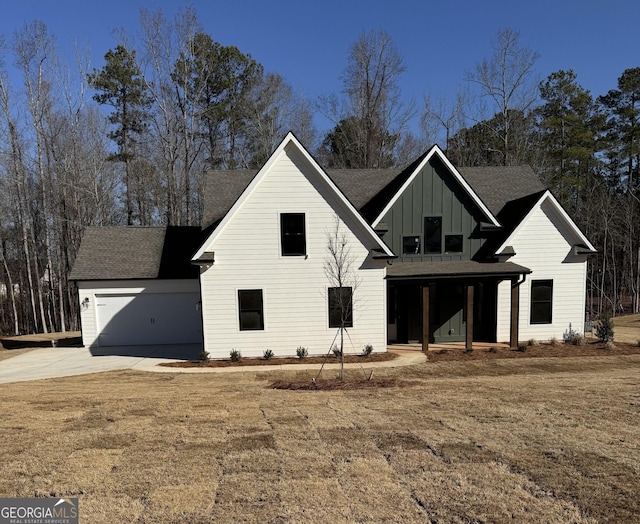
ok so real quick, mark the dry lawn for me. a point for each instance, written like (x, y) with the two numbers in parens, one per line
(519, 440)
(627, 329)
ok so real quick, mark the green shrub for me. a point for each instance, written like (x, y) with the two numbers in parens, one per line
(235, 355)
(367, 350)
(302, 352)
(570, 336)
(604, 329)
(268, 354)
(204, 356)
(522, 348)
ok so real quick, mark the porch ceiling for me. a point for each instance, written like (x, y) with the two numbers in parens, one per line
(454, 269)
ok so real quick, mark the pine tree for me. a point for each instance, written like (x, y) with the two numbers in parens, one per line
(120, 84)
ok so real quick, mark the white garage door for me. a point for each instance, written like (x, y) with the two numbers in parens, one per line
(148, 318)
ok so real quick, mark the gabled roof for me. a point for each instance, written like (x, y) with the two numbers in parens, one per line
(289, 141)
(546, 196)
(436, 152)
(224, 187)
(123, 253)
(370, 191)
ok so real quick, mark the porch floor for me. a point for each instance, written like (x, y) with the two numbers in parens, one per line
(450, 345)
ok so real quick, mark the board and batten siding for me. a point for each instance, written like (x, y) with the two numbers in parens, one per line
(295, 288)
(91, 289)
(544, 244)
(433, 193)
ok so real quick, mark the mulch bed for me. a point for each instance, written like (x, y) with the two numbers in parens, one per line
(590, 349)
(278, 361)
(335, 385)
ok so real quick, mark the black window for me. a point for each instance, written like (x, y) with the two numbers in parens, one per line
(453, 243)
(251, 310)
(292, 234)
(541, 301)
(411, 245)
(433, 235)
(340, 307)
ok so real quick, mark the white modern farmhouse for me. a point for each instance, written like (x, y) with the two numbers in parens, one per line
(435, 254)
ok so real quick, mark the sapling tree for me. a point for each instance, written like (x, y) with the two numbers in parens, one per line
(339, 267)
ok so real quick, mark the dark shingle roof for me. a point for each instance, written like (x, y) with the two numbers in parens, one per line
(224, 187)
(454, 268)
(498, 185)
(360, 186)
(112, 253)
(369, 190)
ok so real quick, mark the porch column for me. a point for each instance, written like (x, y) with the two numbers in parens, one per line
(515, 314)
(425, 318)
(468, 339)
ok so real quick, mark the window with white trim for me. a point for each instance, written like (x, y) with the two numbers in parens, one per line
(250, 309)
(292, 234)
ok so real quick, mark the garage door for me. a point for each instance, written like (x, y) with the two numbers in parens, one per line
(148, 318)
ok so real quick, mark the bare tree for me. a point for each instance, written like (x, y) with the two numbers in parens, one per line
(505, 81)
(341, 272)
(372, 117)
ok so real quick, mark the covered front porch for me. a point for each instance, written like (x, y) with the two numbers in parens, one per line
(449, 302)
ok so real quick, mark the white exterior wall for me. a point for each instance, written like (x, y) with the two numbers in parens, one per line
(89, 289)
(295, 304)
(544, 245)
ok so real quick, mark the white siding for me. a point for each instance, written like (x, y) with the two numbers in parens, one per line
(247, 256)
(544, 245)
(89, 290)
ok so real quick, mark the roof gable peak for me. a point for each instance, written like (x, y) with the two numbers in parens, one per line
(288, 142)
(436, 152)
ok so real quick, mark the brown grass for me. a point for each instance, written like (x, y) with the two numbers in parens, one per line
(627, 329)
(520, 440)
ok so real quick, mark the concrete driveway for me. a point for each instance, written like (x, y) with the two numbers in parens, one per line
(65, 362)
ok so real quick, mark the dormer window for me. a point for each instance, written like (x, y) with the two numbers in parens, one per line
(292, 234)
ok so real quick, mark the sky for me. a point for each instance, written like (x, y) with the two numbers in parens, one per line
(307, 42)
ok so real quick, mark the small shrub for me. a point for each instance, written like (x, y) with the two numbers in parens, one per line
(604, 329)
(302, 352)
(533, 342)
(468, 350)
(554, 341)
(578, 340)
(336, 350)
(492, 349)
(204, 356)
(522, 348)
(573, 337)
(367, 349)
(268, 354)
(609, 345)
(235, 355)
